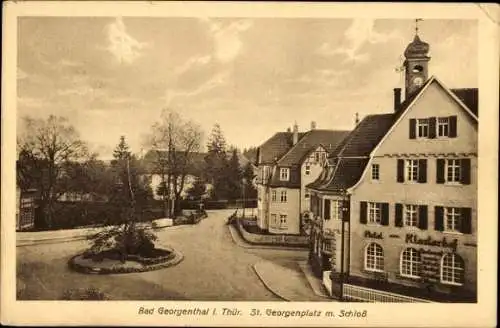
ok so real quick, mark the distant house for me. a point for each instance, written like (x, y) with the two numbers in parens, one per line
(156, 175)
(286, 163)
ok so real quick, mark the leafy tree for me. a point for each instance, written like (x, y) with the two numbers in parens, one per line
(175, 140)
(44, 147)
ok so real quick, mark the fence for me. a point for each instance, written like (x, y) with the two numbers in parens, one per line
(219, 204)
(363, 294)
(270, 239)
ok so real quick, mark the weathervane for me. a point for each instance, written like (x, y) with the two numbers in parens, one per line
(416, 25)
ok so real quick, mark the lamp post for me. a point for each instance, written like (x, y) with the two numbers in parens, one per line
(344, 217)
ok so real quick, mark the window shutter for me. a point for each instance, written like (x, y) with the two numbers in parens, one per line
(432, 127)
(327, 209)
(362, 213)
(465, 171)
(422, 217)
(413, 128)
(401, 170)
(453, 127)
(385, 214)
(438, 218)
(422, 170)
(440, 170)
(399, 215)
(466, 218)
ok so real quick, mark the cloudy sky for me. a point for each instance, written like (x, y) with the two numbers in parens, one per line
(113, 76)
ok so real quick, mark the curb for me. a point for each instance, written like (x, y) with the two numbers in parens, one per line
(82, 236)
(254, 267)
(243, 244)
(178, 257)
(301, 264)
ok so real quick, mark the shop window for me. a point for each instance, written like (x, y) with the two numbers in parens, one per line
(374, 258)
(452, 269)
(410, 263)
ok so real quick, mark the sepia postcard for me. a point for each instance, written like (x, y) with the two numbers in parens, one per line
(249, 164)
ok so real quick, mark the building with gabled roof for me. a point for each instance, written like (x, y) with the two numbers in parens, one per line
(395, 209)
(285, 164)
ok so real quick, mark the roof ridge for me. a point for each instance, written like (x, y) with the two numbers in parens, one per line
(293, 147)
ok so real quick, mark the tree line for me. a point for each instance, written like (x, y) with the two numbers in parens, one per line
(55, 161)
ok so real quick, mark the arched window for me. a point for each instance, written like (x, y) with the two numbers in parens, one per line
(410, 263)
(374, 257)
(452, 269)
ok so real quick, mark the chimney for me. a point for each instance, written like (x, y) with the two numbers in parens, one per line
(295, 133)
(313, 125)
(397, 99)
(356, 120)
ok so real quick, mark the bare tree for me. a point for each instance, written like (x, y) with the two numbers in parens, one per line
(175, 140)
(48, 145)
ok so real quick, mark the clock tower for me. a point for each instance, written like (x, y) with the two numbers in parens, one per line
(416, 64)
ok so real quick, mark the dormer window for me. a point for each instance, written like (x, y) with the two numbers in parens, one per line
(284, 174)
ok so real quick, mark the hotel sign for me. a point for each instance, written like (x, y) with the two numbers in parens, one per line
(414, 239)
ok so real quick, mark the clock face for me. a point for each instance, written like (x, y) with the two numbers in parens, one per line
(418, 81)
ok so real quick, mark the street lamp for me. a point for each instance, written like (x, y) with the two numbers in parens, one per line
(344, 217)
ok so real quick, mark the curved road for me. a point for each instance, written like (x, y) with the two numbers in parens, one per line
(214, 268)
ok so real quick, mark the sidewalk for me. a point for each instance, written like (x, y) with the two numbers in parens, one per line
(289, 284)
(61, 236)
(315, 283)
(238, 240)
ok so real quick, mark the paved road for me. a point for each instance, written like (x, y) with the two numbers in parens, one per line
(213, 269)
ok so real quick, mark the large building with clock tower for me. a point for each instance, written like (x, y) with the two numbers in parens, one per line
(395, 208)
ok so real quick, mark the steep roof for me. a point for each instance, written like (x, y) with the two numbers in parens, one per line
(276, 146)
(469, 96)
(365, 136)
(329, 139)
(347, 163)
